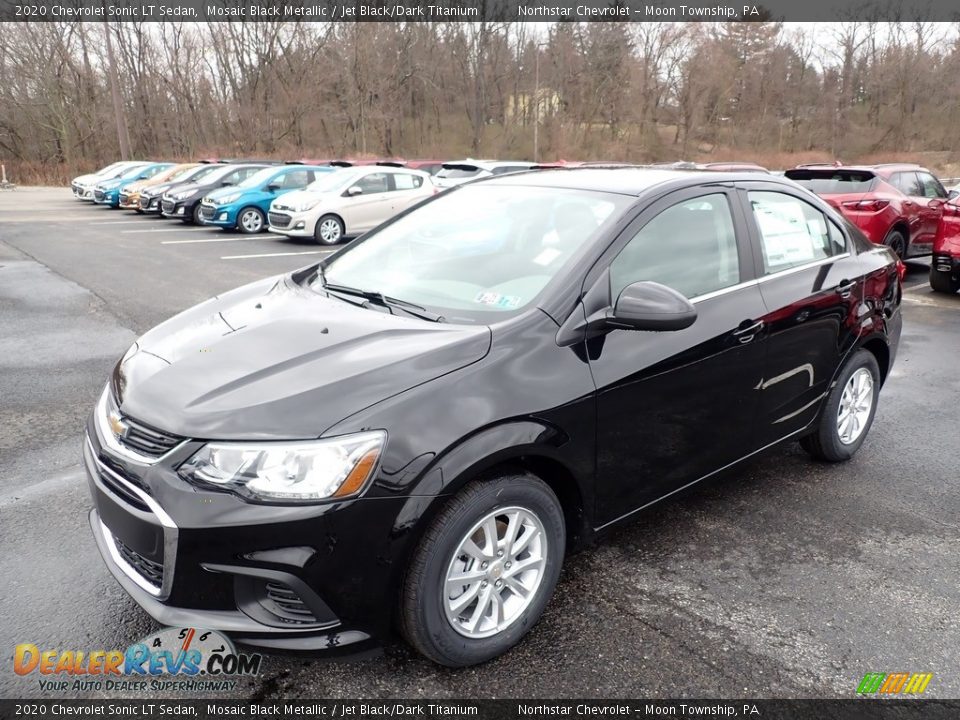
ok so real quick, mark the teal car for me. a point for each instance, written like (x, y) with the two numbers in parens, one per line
(245, 206)
(107, 192)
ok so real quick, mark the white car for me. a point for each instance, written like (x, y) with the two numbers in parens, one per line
(82, 186)
(348, 202)
(455, 173)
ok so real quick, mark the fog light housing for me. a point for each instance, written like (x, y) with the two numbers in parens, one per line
(179, 211)
(222, 216)
(299, 226)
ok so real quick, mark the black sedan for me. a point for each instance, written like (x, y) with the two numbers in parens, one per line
(411, 434)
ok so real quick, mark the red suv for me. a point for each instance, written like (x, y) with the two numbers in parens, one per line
(896, 204)
(945, 267)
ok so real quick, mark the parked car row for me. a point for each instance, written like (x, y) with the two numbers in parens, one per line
(900, 205)
(327, 200)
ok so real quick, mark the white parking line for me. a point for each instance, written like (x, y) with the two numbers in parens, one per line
(283, 254)
(219, 239)
(163, 230)
(119, 222)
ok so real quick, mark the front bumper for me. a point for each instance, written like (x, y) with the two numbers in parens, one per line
(149, 204)
(129, 201)
(108, 197)
(224, 216)
(292, 577)
(172, 209)
(284, 222)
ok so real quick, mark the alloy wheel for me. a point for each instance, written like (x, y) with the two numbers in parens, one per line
(251, 221)
(495, 572)
(330, 231)
(855, 406)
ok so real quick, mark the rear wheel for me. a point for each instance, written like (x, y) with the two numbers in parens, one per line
(896, 241)
(329, 230)
(849, 410)
(484, 570)
(943, 282)
(250, 221)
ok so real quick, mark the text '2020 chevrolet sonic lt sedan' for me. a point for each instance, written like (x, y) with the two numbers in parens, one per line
(412, 433)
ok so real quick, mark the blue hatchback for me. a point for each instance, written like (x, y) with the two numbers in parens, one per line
(245, 206)
(107, 192)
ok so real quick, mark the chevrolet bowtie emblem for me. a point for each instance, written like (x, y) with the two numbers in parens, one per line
(117, 426)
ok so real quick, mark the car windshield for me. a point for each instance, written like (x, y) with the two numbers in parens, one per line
(476, 252)
(259, 178)
(133, 172)
(196, 173)
(330, 182)
(832, 181)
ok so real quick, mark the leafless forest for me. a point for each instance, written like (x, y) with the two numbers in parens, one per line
(773, 93)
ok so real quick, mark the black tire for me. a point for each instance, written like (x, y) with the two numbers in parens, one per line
(324, 238)
(824, 442)
(251, 227)
(423, 618)
(194, 218)
(896, 242)
(942, 282)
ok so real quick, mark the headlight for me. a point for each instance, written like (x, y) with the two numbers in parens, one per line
(181, 195)
(303, 471)
(226, 199)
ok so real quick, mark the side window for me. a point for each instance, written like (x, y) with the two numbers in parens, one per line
(931, 186)
(690, 247)
(373, 183)
(908, 183)
(792, 231)
(294, 179)
(403, 181)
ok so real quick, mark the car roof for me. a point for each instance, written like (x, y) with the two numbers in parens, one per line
(622, 180)
(883, 169)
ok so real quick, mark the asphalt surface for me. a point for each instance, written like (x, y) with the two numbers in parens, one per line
(785, 578)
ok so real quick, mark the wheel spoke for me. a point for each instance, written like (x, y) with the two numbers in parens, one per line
(531, 563)
(490, 539)
(455, 582)
(480, 610)
(473, 550)
(516, 586)
(498, 613)
(529, 534)
(460, 603)
(510, 537)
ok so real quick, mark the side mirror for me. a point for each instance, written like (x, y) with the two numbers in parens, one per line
(952, 194)
(272, 187)
(354, 190)
(226, 183)
(651, 306)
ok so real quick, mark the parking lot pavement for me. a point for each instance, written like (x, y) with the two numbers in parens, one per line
(784, 578)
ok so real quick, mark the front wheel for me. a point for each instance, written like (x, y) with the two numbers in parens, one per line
(329, 230)
(943, 282)
(484, 570)
(250, 221)
(849, 410)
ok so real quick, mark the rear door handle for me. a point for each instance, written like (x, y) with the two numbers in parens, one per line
(845, 288)
(745, 333)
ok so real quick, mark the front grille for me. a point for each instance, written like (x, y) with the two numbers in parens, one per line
(124, 197)
(284, 602)
(167, 206)
(279, 219)
(144, 202)
(122, 492)
(207, 212)
(98, 194)
(149, 570)
(147, 440)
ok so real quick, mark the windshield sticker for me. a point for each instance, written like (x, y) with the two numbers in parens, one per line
(497, 300)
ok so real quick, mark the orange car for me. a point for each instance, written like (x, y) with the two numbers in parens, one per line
(130, 194)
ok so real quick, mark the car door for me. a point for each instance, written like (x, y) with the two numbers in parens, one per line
(407, 190)
(812, 286)
(673, 407)
(370, 206)
(930, 209)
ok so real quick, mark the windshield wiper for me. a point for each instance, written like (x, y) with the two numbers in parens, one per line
(391, 303)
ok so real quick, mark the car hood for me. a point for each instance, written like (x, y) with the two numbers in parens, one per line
(275, 360)
(86, 178)
(223, 192)
(293, 197)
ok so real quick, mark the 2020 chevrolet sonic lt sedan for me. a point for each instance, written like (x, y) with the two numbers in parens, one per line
(411, 434)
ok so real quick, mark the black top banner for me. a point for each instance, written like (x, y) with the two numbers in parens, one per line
(147, 709)
(475, 10)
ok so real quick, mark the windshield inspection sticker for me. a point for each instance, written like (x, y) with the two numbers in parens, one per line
(497, 300)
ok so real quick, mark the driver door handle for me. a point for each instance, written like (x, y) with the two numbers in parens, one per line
(746, 332)
(845, 288)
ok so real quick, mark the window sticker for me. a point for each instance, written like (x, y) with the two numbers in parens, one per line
(497, 300)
